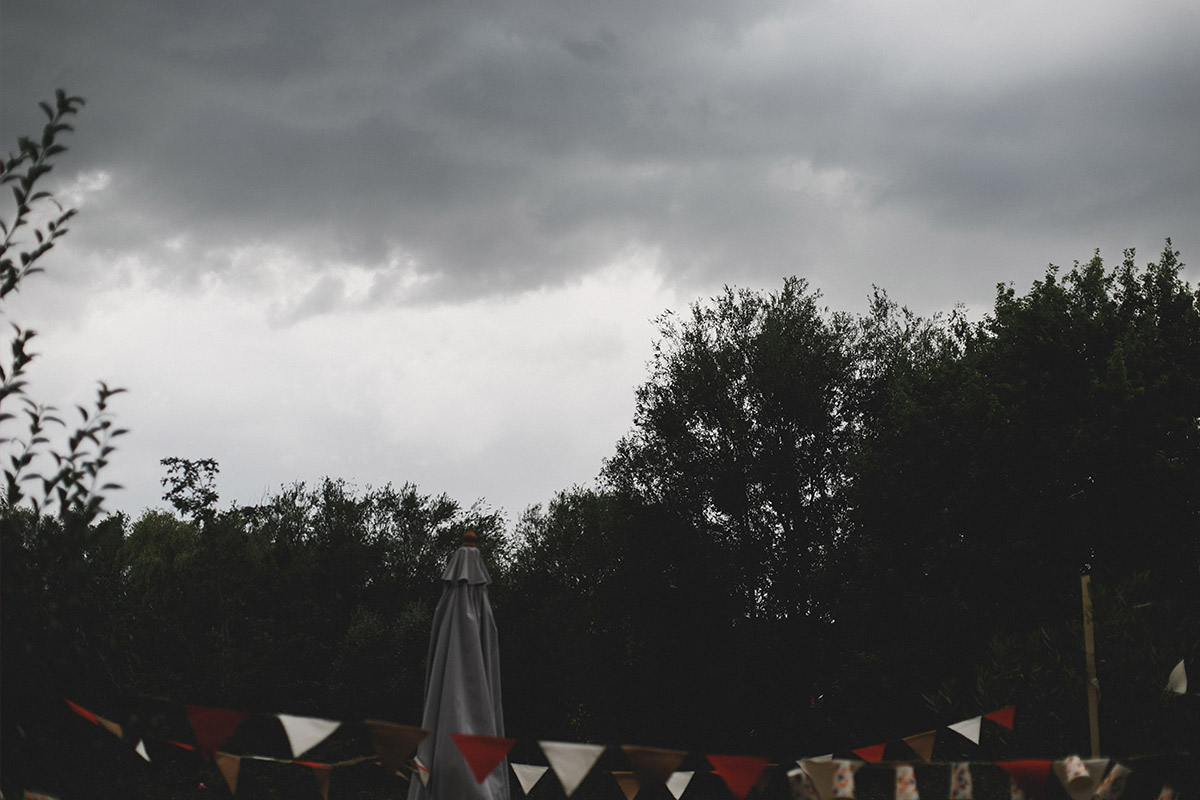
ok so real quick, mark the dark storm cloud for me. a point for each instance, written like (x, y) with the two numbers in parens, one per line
(499, 147)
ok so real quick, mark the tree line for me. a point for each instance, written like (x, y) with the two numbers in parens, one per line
(823, 531)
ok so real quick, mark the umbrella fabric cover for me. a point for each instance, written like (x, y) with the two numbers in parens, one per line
(462, 685)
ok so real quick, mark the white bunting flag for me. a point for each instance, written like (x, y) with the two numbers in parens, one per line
(968, 728)
(1178, 681)
(678, 782)
(141, 750)
(305, 733)
(528, 775)
(571, 762)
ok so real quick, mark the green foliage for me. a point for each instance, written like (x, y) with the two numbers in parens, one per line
(74, 484)
(740, 430)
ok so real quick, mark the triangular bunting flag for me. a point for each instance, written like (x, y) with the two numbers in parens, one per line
(323, 774)
(653, 764)
(528, 775)
(764, 779)
(1080, 778)
(678, 782)
(571, 762)
(832, 778)
(874, 753)
(305, 733)
(628, 783)
(213, 726)
(111, 727)
(83, 712)
(394, 743)
(740, 773)
(922, 744)
(1178, 681)
(1114, 783)
(421, 771)
(1028, 774)
(1004, 716)
(968, 728)
(229, 766)
(802, 784)
(483, 753)
(141, 750)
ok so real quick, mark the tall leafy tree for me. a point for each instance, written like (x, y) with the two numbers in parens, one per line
(741, 430)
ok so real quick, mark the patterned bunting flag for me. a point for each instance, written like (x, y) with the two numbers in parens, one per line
(802, 785)
(528, 775)
(483, 753)
(968, 728)
(906, 783)
(961, 785)
(571, 762)
(1081, 778)
(1113, 785)
(873, 754)
(740, 773)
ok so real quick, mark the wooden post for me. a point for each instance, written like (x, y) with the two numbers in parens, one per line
(1089, 648)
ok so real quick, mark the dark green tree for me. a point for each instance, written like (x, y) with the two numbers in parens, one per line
(741, 430)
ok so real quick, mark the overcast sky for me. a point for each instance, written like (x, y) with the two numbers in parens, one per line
(423, 242)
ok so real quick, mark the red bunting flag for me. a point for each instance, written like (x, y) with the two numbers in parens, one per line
(873, 754)
(482, 753)
(83, 712)
(1003, 717)
(740, 773)
(1029, 774)
(213, 726)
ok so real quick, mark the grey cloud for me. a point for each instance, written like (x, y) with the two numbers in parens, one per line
(498, 148)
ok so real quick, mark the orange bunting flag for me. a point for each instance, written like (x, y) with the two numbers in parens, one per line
(740, 773)
(111, 727)
(1029, 775)
(483, 753)
(628, 783)
(653, 764)
(213, 726)
(873, 754)
(322, 774)
(229, 766)
(922, 744)
(1003, 717)
(394, 743)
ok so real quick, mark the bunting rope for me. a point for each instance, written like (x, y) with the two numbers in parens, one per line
(817, 778)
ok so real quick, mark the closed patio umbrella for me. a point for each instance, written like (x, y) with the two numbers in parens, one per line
(462, 683)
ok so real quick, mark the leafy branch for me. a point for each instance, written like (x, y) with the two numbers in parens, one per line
(74, 484)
